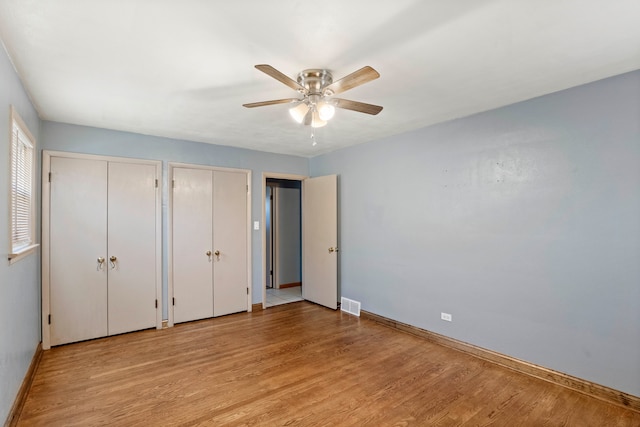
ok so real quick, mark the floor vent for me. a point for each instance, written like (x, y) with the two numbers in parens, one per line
(350, 306)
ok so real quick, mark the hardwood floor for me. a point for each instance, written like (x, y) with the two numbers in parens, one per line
(297, 364)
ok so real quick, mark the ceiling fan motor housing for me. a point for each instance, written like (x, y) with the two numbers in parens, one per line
(314, 80)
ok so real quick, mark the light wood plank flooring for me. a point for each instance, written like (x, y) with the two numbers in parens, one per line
(298, 365)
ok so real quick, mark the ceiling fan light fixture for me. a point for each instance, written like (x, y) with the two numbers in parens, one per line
(326, 110)
(317, 88)
(299, 111)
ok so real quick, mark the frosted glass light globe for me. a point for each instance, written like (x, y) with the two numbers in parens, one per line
(326, 111)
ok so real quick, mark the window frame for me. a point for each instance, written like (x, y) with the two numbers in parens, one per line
(18, 129)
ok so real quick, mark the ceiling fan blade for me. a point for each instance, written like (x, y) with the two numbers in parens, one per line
(357, 78)
(274, 102)
(360, 107)
(270, 71)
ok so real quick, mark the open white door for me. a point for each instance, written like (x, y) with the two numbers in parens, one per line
(320, 240)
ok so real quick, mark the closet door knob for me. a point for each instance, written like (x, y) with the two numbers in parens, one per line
(100, 263)
(208, 253)
(217, 254)
(113, 260)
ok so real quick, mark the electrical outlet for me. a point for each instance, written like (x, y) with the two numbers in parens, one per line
(446, 316)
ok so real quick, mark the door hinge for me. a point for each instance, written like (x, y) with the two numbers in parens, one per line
(156, 303)
(49, 319)
(49, 176)
(173, 301)
(247, 291)
(173, 183)
(156, 183)
(247, 188)
(270, 272)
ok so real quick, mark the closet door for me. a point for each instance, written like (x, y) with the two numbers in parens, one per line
(131, 247)
(230, 279)
(192, 222)
(78, 241)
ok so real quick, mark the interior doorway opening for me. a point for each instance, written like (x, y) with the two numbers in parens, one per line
(283, 241)
(319, 238)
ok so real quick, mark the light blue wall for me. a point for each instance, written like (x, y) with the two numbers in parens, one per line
(82, 139)
(522, 222)
(19, 282)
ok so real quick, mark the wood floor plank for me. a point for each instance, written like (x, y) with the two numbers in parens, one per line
(298, 364)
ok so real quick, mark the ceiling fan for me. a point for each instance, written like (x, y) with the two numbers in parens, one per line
(317, 88)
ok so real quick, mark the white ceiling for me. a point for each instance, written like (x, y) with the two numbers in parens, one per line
(183, 69)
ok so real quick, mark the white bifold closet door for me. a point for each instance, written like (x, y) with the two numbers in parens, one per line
(132, 241)
(102, 248)
(209, 243)
(78, 238)
(192, 231)
(230, 281)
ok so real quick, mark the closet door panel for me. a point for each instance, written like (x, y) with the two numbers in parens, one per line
(78, 236)
(230, 280)
(132, 241)
(192, 230)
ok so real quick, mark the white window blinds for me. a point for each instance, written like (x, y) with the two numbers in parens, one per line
(22, 213)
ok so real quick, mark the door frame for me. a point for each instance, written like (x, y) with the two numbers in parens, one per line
(271, 230)
(170, 168)
(46, 224)
(273, 175)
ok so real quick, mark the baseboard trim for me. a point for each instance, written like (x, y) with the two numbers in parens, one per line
(18, 404)
(583, 386)
(290, 285)
(256, 307)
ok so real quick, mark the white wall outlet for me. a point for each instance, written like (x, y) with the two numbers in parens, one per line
(446, 316)
(256, 225)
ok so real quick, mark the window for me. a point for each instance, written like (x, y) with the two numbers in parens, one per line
(22, 189)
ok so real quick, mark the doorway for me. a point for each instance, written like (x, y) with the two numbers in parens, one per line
(319, 237)
(283, 241)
